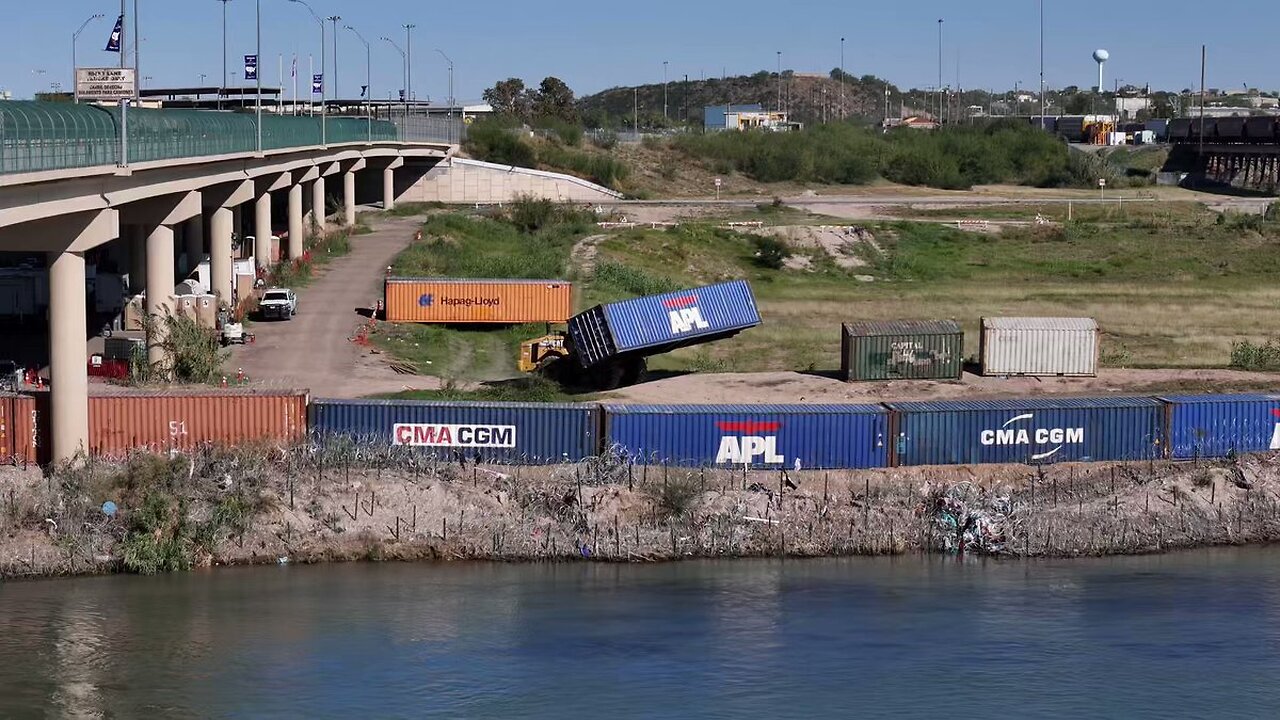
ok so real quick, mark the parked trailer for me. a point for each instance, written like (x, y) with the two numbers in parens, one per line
(162, 421)
(760, 436)
(1262, 129)
(901, 350)
(528, 433)
(1051, 347)
(447, 300)
(1041, 430)
(1219, 426)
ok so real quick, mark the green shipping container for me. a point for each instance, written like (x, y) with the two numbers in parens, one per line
(901, 350)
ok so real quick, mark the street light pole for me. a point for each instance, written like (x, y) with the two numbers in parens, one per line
(408, 62)
(842, 78)
(324, 85)
(368, 88)
(940, 95)
(1042, 99)
(74, 65)
(779, 104)
(222, 79)
(664, 90)
(334, 19)
(257, 58)
(452, 101)
(404, 75)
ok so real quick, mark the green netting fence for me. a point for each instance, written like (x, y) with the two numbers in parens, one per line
(36, 136)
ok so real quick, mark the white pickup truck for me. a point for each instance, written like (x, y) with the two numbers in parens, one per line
(278, 304)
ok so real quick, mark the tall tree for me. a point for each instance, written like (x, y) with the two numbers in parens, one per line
(555, 99)
(508, 97)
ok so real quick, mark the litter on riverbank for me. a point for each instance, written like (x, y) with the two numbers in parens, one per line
(241, 507)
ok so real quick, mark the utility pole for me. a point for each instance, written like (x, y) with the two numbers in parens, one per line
(368, 88)
(122, 32)
(404, 78)
(1200, 160)
(842, 79)
(635, 109)
(258, 75)
(451, 99)
(324, 82)
(334, 19)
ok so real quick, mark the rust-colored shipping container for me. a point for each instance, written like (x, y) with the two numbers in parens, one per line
(21, 430)
(184, 420)
(446, 300)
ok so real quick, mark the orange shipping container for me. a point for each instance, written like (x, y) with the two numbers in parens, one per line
(163, 421)
(20, 430)
(444, 300)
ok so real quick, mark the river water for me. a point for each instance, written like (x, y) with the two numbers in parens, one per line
(1187, 635)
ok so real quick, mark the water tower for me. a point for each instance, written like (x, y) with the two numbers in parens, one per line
(1101, 57)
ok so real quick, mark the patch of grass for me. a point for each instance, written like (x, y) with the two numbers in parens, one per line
(1246, 355)
(532, 388)
(465, 246)
(626, 280)
(476, 352)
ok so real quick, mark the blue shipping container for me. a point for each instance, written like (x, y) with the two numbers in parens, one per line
(1215, 426)
(1041, 430)
(786, 436)
(660, 323)
(531, 433)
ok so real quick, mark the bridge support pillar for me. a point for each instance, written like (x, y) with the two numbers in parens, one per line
(137, 240)
(262, 230)
(193, 241)
(220, 221)
(388, 189)
(160, 284)
(68, 355)
(349, 197)
(295, 221)
(318, 208)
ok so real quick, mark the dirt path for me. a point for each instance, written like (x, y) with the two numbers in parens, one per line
(582, 259)
(314, 350)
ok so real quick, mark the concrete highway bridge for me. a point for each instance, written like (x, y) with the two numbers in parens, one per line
(77, 181)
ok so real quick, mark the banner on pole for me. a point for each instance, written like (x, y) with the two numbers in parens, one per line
(250, 67)
(113, 42)
(317, 84)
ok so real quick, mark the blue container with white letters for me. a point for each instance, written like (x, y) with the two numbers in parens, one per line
(1218, 426)
(529, 433)
(660, 323)
(1033, 431)
(758, 436)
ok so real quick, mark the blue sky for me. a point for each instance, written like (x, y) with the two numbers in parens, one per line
(594, 45)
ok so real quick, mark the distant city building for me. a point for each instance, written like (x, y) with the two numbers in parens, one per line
(1129, 107)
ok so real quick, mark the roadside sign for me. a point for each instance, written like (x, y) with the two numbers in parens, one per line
(1102, 182)
(105, 83)
(719, 182)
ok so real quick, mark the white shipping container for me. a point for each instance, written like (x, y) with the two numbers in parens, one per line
(1039, 346)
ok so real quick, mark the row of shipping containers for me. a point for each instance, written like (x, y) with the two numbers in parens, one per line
(962, 432)
(934, 349)
(967, 432)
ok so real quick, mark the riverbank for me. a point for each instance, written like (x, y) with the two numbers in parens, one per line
(259, 506)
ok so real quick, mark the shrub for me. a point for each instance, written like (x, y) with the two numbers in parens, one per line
(771, 252)
(493, 141)
(675, 497)
(1249, 356)
(632, 281)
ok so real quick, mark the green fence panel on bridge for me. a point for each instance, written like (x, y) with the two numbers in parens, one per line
(37, 136)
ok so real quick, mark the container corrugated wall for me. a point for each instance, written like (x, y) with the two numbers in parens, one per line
(492, 432)
(1042, 430)
(510, 302)
(783, 436)
(1218, 426)
(21, 430)
(902, 350)
(163, 421)
(659, 323)
(1040, 346)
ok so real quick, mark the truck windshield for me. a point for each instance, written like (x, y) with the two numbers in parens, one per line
(283, 297)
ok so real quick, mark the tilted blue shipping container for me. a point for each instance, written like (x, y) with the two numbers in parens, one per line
(1215, 426)
(786, 436)
(660, 323)
(490, 432)
(1041, 430)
